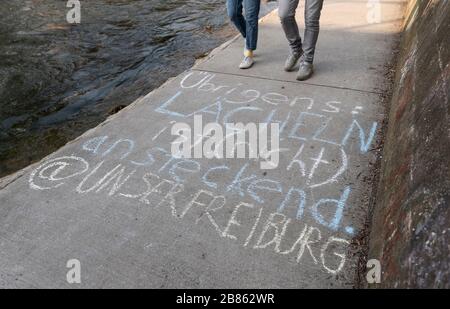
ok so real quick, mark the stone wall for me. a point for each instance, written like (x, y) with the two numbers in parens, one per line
(411, 224)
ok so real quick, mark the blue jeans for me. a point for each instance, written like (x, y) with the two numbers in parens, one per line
(247, 26)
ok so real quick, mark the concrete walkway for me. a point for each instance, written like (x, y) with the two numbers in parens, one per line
(134, 216)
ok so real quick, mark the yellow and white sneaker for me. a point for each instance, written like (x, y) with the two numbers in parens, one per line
(248, 60)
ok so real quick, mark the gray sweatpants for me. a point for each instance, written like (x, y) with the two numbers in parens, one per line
(286, 11)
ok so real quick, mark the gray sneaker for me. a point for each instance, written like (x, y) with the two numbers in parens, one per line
(292, 61)
(247, 63)
(305, 71)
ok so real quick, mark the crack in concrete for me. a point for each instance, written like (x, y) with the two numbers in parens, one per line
(287, 81)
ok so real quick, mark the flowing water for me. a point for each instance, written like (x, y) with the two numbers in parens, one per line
(57, 80)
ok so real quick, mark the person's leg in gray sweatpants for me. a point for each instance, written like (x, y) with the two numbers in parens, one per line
(286, 11)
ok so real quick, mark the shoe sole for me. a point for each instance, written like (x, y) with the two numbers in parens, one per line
(305, 77)
(245, 68)
(290, 70)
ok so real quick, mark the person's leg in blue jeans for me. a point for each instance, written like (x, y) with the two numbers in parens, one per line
(251, 8)
(247, 26)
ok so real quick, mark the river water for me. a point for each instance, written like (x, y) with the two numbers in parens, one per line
(57, 80)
